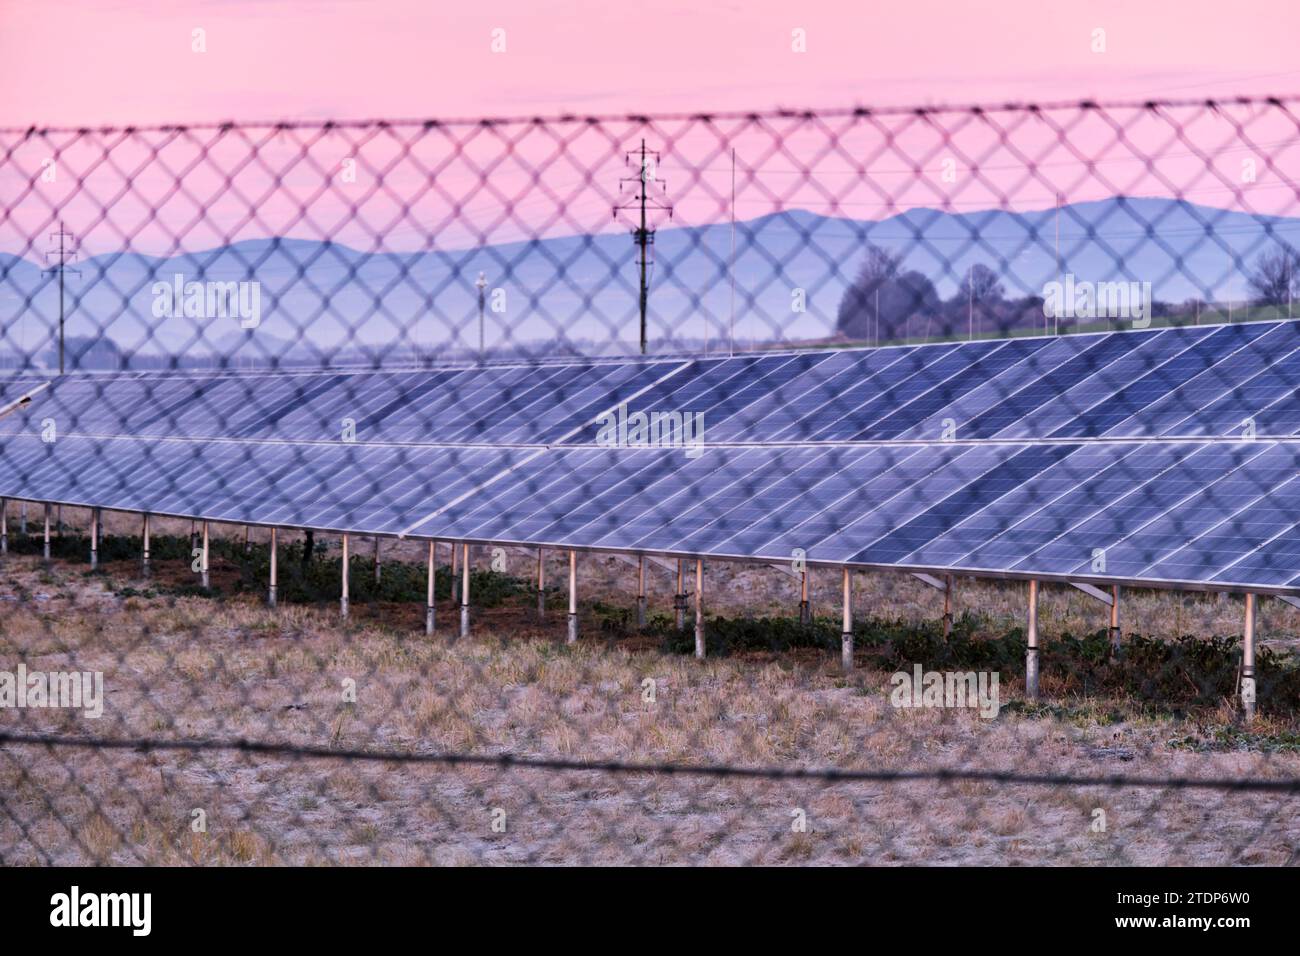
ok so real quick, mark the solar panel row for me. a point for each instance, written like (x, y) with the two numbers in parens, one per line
(1027, 457)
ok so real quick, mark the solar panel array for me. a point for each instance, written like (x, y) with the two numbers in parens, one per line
(1162, 456)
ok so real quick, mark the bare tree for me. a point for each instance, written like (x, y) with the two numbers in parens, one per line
(1276, 278)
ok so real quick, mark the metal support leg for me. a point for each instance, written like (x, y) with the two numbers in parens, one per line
(699, 609)
(343, 601)
(95, 522)
(640, 593)
(1114, 620)
(846, 639)
(805, 609)
(4, 525)
(541, 584)
(464, 590)
(429, 614)
(947, 606)
(206, 580)
(22, 518)
(47, 534)
(1031, 651)
(270, 594)
(1248, 660)
(573, 597)
(248, 540)
(376, 561)
(679, 599)
(144, 545)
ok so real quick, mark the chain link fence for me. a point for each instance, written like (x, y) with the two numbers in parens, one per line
(960, 528)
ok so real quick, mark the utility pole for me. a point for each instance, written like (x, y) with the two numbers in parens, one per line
(61, 257)
(643, 236)
(481, 283)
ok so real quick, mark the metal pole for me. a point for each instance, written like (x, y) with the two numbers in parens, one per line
(376, 560)
(248, 542)
(464, 590)
(4, 525)
(640, 592)
(1031, 651)
(47, 533)
(428, 606)
(1248, 660)
(846, 639)
(699, 609)
(22, 518)
(573, 597)
(144, 542)
(343, 601)
(204, 564)
(805, 609)
(679, 599)
(541, 584)
(94, 538)
(270, 594)
(947, 606)
(1114, 620)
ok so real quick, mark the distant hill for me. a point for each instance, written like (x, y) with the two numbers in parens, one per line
(320, 299)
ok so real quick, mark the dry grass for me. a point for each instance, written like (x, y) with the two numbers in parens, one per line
(194, 668)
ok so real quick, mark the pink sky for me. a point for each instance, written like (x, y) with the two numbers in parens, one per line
(99, 61)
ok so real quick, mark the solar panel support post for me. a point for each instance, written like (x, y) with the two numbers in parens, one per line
(429, 614)
(4, 525)
(47, 532)
(248, 539)
(270, 593)
(464, 590)
(376, 559)
(1248, 660)
(94, 538)
(194, 535)
(947, 606)
(144, 544)
(203, 560)
(343, 600)
(640, 593)
(22, 517)
(805, 609)
(1031, 640)
(1114, 621)
(846, 639)
(679, 599)
(573, 597)
(699, 608)
(541, 583)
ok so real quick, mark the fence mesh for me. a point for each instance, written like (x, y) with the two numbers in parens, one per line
(482, 491)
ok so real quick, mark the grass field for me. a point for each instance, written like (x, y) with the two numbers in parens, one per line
(181, 664)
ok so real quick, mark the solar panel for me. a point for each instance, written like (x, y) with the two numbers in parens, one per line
(1162, 451)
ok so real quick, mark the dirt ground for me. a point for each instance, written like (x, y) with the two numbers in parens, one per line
(191, 668)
